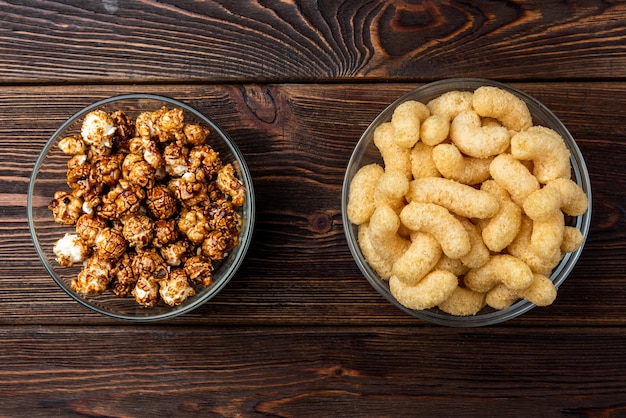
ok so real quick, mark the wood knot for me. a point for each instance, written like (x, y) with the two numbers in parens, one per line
(410, 17)
(260, 101)
(607, 215)
(320, 222)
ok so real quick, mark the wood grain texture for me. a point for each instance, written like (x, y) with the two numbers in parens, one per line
(266, 41)
(319, 371)
(297, 140)
(299, 332)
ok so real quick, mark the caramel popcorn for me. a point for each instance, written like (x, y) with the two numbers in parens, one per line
(93, 277)
(72, 145)
(199, 270)
(98, 129)
(137, 230)
(161, 202)
(88, 227)
(176, 288)
(70, 250)
(66, 208)
(152, 205)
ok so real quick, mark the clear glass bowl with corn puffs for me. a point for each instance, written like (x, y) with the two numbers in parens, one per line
(466, 203)
(140, 207)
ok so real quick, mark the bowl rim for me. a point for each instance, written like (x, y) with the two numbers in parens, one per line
(246, 233)
(559, 273)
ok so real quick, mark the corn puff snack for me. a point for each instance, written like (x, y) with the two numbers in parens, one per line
(434, 130)
(457, 197)
(361, 200)
(394, 157)
(375, 261)
(499, 104)
(521, 248)
(514, 176)
(439, 222)
(557, 195)
(422, 161)
(463, 302)
(479, 253)
(501, 268)
(475, 139)
(450, 104)
(429, 292)
(451, 163)
(418, 260)
(502, 228)
(546, 149)
(390, 189)
(470, 208)
(406, 120)
(383, 234)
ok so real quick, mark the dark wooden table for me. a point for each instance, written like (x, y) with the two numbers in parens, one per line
(299, 331)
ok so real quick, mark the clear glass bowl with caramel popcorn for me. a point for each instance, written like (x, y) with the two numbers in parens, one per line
(140, 207)
(466, 202)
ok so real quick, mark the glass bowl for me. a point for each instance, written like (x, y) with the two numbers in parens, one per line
(366, 152)
(49, 176)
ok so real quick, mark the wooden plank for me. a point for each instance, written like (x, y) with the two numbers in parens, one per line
(209, 41)
(297, 140)
(319, 371)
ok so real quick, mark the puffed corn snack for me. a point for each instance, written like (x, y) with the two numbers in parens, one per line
(469, 208)
(153, 206)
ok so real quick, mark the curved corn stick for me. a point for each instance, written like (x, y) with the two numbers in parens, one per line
(433, 289)
(436, 220)
(501, 268)
(559, 194)
(390, 189)
(375, 261)
(463, 302)
(406, 120)
(521, 248)
(501, 229)
(459, 198)
(418, 260)
(541, 291)
(453, 165)
(475, 140)
(383, 234)
(451, 103)
(422, 163)
(361, 196)
(545, 147)
(547, 236)
(494, 102)
(511, 174)
(394, 157)
(434, 130)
